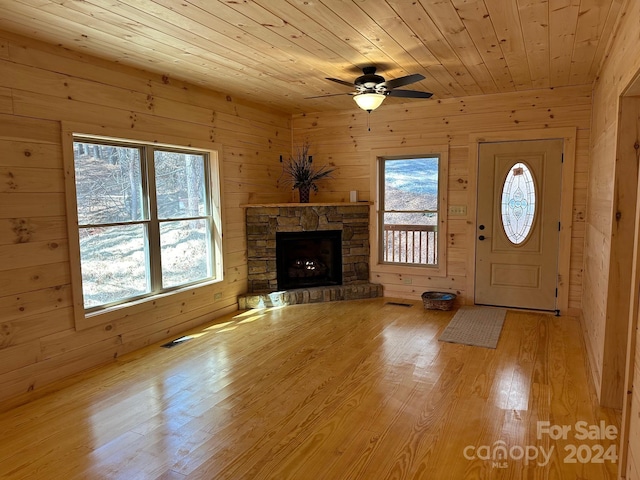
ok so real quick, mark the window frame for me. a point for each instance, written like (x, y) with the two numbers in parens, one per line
(92, 316)
(379, 156)
(382, 210)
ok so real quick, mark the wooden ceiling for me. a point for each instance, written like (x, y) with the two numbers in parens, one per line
(279, 52)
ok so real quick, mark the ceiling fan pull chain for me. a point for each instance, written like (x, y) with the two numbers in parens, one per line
(369, 120)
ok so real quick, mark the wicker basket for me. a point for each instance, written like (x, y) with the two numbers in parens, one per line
(438, 300)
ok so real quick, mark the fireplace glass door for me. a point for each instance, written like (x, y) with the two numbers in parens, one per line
(309, 259)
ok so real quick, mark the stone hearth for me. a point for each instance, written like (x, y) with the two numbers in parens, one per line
(309, 295)
(264, 221)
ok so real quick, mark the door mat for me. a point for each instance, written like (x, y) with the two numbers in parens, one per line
(476, 326)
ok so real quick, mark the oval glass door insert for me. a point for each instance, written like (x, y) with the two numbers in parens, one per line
(518, 203)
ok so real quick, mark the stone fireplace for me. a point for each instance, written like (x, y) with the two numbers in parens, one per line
(267, 223)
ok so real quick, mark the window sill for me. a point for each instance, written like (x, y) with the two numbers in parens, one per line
(135, 307)
(417, 270)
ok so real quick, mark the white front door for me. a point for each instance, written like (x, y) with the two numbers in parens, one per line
(518, 222)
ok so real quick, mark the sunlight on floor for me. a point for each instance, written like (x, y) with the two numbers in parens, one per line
(513, 388)
(251, 316)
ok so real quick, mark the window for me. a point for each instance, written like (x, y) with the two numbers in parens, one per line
(145, 219)
(408, 211)
(518, 203)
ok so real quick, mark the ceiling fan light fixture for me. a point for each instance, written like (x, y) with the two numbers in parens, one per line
(369, 101)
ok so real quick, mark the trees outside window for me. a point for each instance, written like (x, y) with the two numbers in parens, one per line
(145, 219)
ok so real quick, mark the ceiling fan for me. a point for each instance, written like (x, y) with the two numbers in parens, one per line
(371, 89)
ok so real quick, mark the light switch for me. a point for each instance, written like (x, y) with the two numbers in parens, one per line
(457, 209)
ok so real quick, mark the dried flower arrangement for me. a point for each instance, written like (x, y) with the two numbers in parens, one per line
(301, 174)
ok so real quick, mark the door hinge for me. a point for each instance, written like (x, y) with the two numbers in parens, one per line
(559, 226)
(562, 158)
(556, 293)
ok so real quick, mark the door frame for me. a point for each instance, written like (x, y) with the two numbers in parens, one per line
(568, 135)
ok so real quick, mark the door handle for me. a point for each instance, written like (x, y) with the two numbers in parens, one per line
(482, 237)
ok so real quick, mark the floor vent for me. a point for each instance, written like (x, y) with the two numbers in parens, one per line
(399, 304)
(176, 342)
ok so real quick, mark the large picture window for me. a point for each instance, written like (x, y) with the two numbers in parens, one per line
(409, 210)
(145, 219)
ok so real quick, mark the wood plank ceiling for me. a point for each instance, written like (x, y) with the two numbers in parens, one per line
(279, 52)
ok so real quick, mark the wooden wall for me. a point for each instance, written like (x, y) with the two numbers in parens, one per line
(42, 86)
(609, 221)
(601, 207)
(343, 139)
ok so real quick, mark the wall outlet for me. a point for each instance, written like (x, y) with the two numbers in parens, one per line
(217, 296)
(457, 209)
(407, 281)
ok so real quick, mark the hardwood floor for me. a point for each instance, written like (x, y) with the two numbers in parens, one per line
(346, 390)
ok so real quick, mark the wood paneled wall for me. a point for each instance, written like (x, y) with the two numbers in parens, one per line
(609, 231)
(42, 86)
(343, 139)
(610, 215)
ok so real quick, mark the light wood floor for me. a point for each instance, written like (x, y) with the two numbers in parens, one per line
(343, 390)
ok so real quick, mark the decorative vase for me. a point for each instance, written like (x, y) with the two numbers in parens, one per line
(304, 191)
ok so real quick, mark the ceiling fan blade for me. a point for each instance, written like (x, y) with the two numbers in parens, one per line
(330, 95)
(341, 82)
(409, 94)
(402, 81)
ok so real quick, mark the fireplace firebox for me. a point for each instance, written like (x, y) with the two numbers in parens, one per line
(308, 259)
